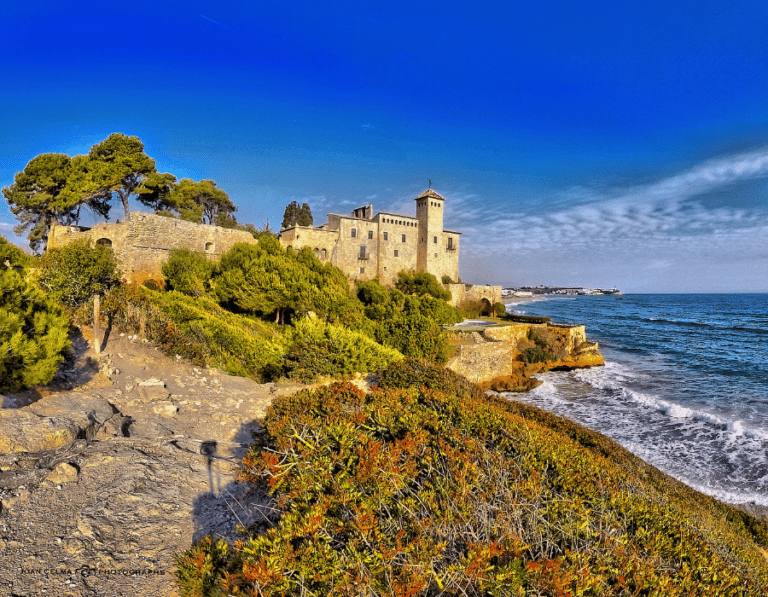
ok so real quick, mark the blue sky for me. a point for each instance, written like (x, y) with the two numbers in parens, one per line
(597, 144)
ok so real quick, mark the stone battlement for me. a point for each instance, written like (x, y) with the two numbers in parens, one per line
(143, 242)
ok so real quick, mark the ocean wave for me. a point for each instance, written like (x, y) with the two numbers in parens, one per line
(676, 411)
(702, 324)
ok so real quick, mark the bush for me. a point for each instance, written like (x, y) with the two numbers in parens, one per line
(535, 354)
(406, 492)
(128, 309)
(499, 309)
(76, 272)
(15, 257)
(525, 318)
(237, 344)
(414, 335)
(471, 308)
(421, 284)
(188, 272)
(33, 334)
(322, 349)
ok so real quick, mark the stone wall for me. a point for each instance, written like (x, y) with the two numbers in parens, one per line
(482, 362)
(459, 293)
(143, 242)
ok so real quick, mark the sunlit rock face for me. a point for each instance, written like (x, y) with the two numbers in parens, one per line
(498, 358)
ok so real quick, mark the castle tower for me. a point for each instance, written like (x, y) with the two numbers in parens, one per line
(429, 212)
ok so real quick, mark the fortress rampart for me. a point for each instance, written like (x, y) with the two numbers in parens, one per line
(143, 242)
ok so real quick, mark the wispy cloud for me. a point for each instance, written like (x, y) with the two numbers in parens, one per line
(621, 230)
(212, 21)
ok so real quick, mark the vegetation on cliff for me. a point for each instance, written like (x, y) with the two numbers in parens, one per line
(427, 487)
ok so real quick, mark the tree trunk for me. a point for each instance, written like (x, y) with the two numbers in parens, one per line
(124, 197)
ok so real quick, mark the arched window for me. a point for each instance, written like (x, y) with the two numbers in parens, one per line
(104, 242)
(209, 246)
(323, 254)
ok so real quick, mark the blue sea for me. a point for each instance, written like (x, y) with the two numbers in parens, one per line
(685, 385)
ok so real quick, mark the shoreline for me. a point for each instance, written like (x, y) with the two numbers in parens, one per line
(752, 508)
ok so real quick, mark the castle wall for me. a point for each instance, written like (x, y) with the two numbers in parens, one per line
(143, 242)
(349, 257)
(322, 241)
(459, 293)
(396, 227)
(385, 244)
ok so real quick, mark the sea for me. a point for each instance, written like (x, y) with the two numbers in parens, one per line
(684, 387)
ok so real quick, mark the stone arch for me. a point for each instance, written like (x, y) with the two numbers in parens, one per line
(487, 308)
(209, 247)
(323, 254)
(104, 242)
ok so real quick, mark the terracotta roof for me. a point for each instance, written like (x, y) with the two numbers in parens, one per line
(430, 193)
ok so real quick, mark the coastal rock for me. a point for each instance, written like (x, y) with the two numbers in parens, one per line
(511, 383)
(499, 356)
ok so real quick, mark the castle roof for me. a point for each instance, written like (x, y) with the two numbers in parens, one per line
(430, 193)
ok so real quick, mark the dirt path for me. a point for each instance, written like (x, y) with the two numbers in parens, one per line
(148, 466)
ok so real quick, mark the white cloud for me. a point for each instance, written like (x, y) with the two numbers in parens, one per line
(620, 231)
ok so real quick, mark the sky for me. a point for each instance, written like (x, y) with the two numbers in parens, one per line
(605, 144)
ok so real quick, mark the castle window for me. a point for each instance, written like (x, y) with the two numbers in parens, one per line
(209, 246)
(362, 270)
(386, 236)
(354, 232)
(403, 237)
(396, 253)
(323, 254)
(450, 242)
(362, 254)
(104, 242)
(435, 239)
(370, 234)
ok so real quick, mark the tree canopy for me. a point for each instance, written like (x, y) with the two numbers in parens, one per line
(42, 194)
(54, 187)
(116, 165)
(200, 201)
(296, 215)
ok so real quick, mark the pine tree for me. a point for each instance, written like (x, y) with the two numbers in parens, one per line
(33, 334)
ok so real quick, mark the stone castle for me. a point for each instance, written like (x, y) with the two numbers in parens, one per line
(365, 246)
(362, 245)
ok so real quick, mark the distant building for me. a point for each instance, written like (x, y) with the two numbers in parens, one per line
(365, 246)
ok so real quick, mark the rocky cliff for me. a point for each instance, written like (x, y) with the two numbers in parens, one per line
(496, 358)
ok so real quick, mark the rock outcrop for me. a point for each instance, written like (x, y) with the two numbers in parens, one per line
(495, 359)
(99, 487)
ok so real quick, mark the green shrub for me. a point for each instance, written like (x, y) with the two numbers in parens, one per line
(446, 279)
(421, 284)
(420, 492)
(414, 335)
(525, 318)
(127, 308)
(321, 349)
(471, 308)
(535, 354)
(76, 272)
(499, 309)
(235, 343)
(33, 334)
(13, 255)
(188, 272)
